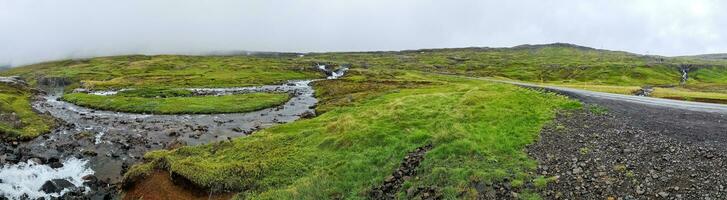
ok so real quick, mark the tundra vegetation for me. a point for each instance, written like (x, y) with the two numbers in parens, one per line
(179, 104)
(389, 104)
(17, 118)
(478, 131)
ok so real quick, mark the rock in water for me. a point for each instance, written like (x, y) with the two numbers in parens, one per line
(56, 185)
(308, 115)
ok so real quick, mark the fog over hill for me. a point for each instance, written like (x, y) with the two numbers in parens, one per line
(718, 56)
(42, 30)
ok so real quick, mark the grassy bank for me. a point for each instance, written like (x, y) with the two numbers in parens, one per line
(690, 95)
(478, 130)
(628, 90)
(17, 118)
(136, 102)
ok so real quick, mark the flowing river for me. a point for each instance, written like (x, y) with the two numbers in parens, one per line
(88, 154)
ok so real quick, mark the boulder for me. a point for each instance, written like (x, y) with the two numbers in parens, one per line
(56, 185)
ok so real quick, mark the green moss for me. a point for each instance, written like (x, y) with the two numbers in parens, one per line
(17, 118)
(155, 93)
(542, 181)
(179, 105)
(597, 109)
(517, 183)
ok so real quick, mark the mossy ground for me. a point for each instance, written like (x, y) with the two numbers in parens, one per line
(479, 130)
(17, 118)
(172, 103)
(120, 72)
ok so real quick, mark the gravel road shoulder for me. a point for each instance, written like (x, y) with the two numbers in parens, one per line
(633, 151)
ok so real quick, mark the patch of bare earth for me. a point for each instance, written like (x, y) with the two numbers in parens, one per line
(161, 186)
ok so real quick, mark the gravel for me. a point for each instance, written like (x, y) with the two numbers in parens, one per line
(625, 154)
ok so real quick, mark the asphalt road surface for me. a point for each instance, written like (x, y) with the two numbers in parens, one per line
(584, 94)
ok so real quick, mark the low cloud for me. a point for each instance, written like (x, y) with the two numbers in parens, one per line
(42, 30)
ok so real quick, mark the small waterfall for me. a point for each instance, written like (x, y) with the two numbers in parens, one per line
(25, 179)
(684, 69)
(333, 73)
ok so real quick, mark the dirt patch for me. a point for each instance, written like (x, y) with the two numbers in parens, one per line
(599, 156)
(406, 170)
(160, 185)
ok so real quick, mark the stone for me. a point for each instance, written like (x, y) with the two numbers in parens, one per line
(56, 186)
(663, 194)
(55, 165)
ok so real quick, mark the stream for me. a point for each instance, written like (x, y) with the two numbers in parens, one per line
(90, 151)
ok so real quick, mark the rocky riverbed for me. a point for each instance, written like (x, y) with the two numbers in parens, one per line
(88, 154)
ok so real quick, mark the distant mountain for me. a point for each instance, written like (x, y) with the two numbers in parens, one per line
(717, 56)
(4, 67)
(564, 45)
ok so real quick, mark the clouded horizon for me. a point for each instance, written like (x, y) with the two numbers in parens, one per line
(42, 30)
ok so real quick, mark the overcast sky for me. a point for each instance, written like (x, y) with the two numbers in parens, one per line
(40, 30)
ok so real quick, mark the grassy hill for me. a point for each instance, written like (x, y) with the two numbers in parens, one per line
(554, 63)
(558, 64)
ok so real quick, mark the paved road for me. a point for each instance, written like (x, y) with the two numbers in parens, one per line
(580, 94)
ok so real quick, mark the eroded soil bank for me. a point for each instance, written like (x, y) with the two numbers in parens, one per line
(160, 185)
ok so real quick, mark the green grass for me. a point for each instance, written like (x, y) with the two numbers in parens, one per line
(628, 90)
(479, 130)
(170, 71)
(17, 118)
(691, 95)
(155, 93)
(130, 102)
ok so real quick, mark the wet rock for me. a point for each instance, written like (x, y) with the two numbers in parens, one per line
(13, 81)
(12, 158)
(89, 178)
(308, 115)
(88, 152)
(55, 81)
(36, 160)
(644, 91)
(55, 165)
(56, 185)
